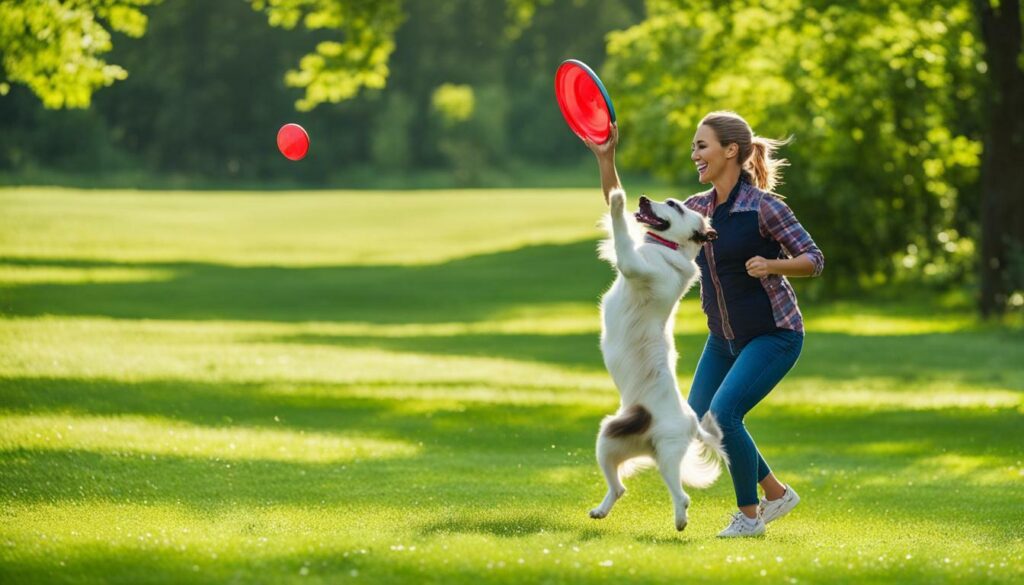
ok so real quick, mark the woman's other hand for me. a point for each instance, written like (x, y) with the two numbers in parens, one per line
(757, 267)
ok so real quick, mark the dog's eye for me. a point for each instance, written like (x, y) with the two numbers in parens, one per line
(674, 205)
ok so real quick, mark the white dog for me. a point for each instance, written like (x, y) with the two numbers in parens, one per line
(638, 313)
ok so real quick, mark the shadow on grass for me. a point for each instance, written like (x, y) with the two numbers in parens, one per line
(491, 451)
(465, 289)
(522, 525)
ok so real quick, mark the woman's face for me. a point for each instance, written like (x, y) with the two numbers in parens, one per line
(709, 155)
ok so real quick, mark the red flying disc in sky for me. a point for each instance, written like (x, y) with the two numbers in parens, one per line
(292, 141)
(584, 101)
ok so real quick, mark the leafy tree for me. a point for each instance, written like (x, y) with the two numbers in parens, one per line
(56, 47)
(885, 101)
(337, 70)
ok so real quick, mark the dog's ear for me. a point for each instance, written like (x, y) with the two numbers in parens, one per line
(708, 236)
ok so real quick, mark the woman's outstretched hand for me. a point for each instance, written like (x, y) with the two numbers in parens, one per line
(606, 150)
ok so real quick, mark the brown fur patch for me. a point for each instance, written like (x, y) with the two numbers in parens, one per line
(634, 421)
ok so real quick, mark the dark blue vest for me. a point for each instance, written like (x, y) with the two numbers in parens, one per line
(747, 309)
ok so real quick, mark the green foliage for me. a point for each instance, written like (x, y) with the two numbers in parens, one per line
(206, 93)
(471, 129)
(883, 99)
(520, 15)
(453, 103)
(389, 142)
(56, 47)
(339, 70)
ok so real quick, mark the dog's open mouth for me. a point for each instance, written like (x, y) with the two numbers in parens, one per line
(647, 216)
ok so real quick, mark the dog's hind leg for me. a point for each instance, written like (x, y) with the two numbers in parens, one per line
(669, 455)
(610, 454)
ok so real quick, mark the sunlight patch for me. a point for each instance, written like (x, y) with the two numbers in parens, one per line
(567, 474)
(958, 467)
(221, 351)
(893, 448)
(28, 275)
(883, 394)
(443, 396)
(160, 436)
(972, 468)
(872, 324)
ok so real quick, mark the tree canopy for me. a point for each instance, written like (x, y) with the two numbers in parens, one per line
(57, 47)
(883, 100)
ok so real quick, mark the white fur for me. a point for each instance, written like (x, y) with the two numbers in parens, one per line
(638, 313)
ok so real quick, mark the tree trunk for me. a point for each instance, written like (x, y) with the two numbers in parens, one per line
(1002, 171)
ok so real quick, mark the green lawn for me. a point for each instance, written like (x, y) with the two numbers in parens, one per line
(406, 386)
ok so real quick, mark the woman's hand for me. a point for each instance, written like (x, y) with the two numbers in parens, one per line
(606, 150)
(757, 267)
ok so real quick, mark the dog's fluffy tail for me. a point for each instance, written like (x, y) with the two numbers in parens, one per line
(702, 463)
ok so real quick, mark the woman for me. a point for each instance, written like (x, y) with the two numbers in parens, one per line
(756, 330)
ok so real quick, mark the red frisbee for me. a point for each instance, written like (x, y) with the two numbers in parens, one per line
(584, 101)
(292, 141)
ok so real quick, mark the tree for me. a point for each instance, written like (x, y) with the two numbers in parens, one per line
(338, 70)
(1002, 216)
(55, 47)
(885, 101)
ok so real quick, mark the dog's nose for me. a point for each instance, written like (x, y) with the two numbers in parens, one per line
(644, 199)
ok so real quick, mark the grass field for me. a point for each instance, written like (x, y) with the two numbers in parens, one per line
(406, 386)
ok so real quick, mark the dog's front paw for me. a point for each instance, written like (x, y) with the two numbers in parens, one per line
(598, 513)
(617, 201)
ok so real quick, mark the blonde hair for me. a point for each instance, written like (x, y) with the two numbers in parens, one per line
(756, 152)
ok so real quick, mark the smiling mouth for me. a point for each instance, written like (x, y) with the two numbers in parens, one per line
(647, 217)
(701, 168)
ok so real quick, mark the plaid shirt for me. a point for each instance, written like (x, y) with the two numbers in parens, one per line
(776, 223)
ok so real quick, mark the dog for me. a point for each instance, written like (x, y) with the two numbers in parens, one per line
(654, 424)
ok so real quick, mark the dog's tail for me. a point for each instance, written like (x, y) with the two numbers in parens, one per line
(702, 463)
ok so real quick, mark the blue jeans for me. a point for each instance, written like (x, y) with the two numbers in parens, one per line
(730, 381)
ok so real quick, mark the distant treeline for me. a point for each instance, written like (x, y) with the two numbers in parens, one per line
(205, 95)
(907, 162)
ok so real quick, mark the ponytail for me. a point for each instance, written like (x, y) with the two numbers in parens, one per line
(764, 171)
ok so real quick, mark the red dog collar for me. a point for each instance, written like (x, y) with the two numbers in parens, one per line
(656, 239)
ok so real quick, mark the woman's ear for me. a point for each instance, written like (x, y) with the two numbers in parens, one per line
(732, 150)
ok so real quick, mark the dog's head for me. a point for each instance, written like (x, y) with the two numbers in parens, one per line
(673, 221)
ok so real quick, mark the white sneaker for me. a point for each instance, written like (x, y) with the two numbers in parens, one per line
(775, 509)
(743, 526)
